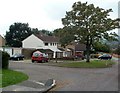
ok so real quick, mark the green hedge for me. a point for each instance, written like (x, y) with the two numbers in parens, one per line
(5, 60)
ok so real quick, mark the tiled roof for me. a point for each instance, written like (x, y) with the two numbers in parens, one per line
(80, 47)
(45, 50)
(47, 38)
(61, 49)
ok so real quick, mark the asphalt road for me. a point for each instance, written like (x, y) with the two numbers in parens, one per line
(72, 79)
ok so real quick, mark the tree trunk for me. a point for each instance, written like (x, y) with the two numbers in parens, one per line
(88, 49)
(88, 53)
(56, 57)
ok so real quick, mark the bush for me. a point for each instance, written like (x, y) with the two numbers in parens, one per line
(5, 60)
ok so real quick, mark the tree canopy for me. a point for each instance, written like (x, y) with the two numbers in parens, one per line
(65, 36)
(17, 32)
(101, 47)
(89, 24)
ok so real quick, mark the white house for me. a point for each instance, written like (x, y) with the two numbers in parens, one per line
(11, 50)
(41, 41)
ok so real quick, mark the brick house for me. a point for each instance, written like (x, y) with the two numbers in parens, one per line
(2, 41)
(73, 49)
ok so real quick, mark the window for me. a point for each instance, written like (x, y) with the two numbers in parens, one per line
(46, 44)
(51, 44)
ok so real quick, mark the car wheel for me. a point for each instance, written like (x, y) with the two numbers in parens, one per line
(82, 58)
(32, 61)
(18, 59)
(42, 61)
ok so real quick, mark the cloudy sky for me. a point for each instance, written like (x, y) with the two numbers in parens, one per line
(43, 14)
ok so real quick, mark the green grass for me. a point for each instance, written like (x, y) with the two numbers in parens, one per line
(0, 78)
(10, 77)
(92, 64)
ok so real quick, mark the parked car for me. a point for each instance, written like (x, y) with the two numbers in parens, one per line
(39, 57)
(105, 56)
(79, 57)
(17, 57)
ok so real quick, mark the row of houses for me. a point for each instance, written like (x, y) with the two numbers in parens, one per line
(46, 44)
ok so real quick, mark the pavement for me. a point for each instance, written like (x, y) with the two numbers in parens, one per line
(31, 85)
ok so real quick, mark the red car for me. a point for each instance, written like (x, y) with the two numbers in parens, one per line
(39, 57)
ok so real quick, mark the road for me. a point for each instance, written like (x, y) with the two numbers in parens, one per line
(72, 79)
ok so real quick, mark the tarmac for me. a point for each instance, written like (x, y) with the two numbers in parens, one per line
(30, 86)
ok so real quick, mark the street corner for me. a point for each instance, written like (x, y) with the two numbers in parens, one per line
(32, 85)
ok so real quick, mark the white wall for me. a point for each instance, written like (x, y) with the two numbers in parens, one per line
(8, 50)
(17, 51)
(32, 42)
(11, 50)
(1, 48)
(51, 46)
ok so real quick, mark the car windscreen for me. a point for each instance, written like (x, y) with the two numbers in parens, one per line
(37, 54)
(106, 55)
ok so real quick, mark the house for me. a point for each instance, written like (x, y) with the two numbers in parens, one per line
(73, 49)
(11, 50)
(79, 49)
(40, 41)
(2, 41)
(66, 52)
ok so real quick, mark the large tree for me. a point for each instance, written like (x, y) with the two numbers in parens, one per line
(65, 36)
(89, 23)
(17, 32)
(45, 32)
(101, 47)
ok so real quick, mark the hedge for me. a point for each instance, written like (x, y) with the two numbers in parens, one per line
(5, 60)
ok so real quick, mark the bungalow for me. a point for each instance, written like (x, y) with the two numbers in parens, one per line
(40, 41)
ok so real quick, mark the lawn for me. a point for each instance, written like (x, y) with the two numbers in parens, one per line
(92, 64)
(0, 78)
(10, 77)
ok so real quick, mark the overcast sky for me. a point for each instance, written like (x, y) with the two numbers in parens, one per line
(43, 14)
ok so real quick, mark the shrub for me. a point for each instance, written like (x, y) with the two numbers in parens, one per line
(5, 60)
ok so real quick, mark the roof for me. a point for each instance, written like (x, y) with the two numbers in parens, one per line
(80, 47)
(61, 49)
(47, 38)
(2, 36)
(45, 50)
(71, 49)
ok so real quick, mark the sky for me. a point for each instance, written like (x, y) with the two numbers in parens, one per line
(43, 14)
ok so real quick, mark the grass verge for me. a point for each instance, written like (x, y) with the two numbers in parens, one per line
(0, 78)
(10, 77)
(92, 64)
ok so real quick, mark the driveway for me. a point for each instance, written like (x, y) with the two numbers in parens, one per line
(72, 79)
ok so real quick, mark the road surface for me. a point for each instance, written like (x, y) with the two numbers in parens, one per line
(72, 79)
